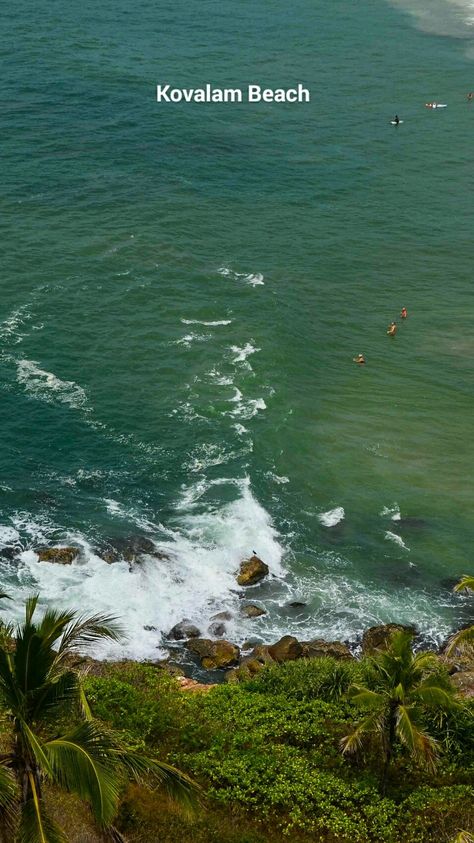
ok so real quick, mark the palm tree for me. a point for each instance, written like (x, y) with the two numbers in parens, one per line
(41, 691)
(400, 686)
(464, 639)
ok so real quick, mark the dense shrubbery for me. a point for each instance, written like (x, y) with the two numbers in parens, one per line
(269, 750)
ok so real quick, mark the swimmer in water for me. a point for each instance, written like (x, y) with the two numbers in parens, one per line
(470, 96)
(396, 119)
(392, 329)
(404, 313)
(359, 359)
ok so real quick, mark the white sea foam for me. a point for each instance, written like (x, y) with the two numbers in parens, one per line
(332, 516)
(393, 511)
(393, 537)
(281, 480)
(240, 429)
(48, 386)
(241, 353)
(219, 379)
(8, 536)
(188, 339)
(208, 324)
(255, 280)
(197, 579)
(247, 408)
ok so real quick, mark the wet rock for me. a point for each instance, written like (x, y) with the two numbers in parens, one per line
(252, 571)
(222, 616)
(218, 629)
(58, 555)
(10, 553)
(214, 654)
(183, 630)
(130, 549)
(261, 652)
(150, 628)
(286, 649)
(252, 611)
(248, 667)
(378, 637)
(296, 604)
(320, 648)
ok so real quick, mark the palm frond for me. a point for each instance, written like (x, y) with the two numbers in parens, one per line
(365, 698)
(435, 691)
(55, 694)
(30, 608)
(8, 800)
(179, 786)
(420, 745)
(462, 640)
(53, 625)
(463, 837)
(86, 630)
(4, 596)
(35, 824)
(352, 742)
(83, 762)
(465, 583)
(36, 747)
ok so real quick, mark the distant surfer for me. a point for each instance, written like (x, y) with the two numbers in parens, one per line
(396, 120)
(360, 359)
(470, 96)
(404, 313)
(392, 329)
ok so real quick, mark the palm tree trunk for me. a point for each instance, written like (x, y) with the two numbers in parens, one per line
(389, 740)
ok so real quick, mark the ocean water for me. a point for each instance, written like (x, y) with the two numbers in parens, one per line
(184, 288)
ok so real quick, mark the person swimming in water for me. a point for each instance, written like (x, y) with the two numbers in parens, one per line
(396, 120)
(392, 329)
(359, 359)
(404, 313)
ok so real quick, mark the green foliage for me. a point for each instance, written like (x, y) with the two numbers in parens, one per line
(141, 702)
(306, 679)
(436, 814)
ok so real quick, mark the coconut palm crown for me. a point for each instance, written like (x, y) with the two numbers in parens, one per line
(400, 686)
(41, 693)
(464, 639)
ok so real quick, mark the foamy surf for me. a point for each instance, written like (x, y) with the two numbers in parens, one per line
(48, 387)
(254, 279)
(194, 578)
(332, 516)
(207, 324)
(393, 537)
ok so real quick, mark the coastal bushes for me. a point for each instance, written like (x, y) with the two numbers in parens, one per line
(267, 753)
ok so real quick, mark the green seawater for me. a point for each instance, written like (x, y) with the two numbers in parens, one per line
(184, 287)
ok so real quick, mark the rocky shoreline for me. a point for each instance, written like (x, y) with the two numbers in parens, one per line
(217, 659)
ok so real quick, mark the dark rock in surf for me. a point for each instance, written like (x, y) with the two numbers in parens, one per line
(184, 630)
(222, 616)
(58, 555)
(217, 628)
(131, 549)
(252, 571)
(252, 611)
(378, 638)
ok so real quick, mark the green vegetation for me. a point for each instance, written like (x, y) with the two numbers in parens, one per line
(50, 735)
(267, 751)
(464, 639)
(399, 689)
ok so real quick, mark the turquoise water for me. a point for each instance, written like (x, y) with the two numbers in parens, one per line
(184, 288)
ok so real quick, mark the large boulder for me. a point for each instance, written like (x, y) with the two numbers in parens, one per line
(183, 630)
(131, 549)
(319, 648)
(214, 654)
(222, 616)
(377, 638)
(252, 571)
(252, 611)
(58, 555)
(217, 629)
(286, 649)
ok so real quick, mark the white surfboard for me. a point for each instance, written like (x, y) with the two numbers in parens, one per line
(394, 122)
